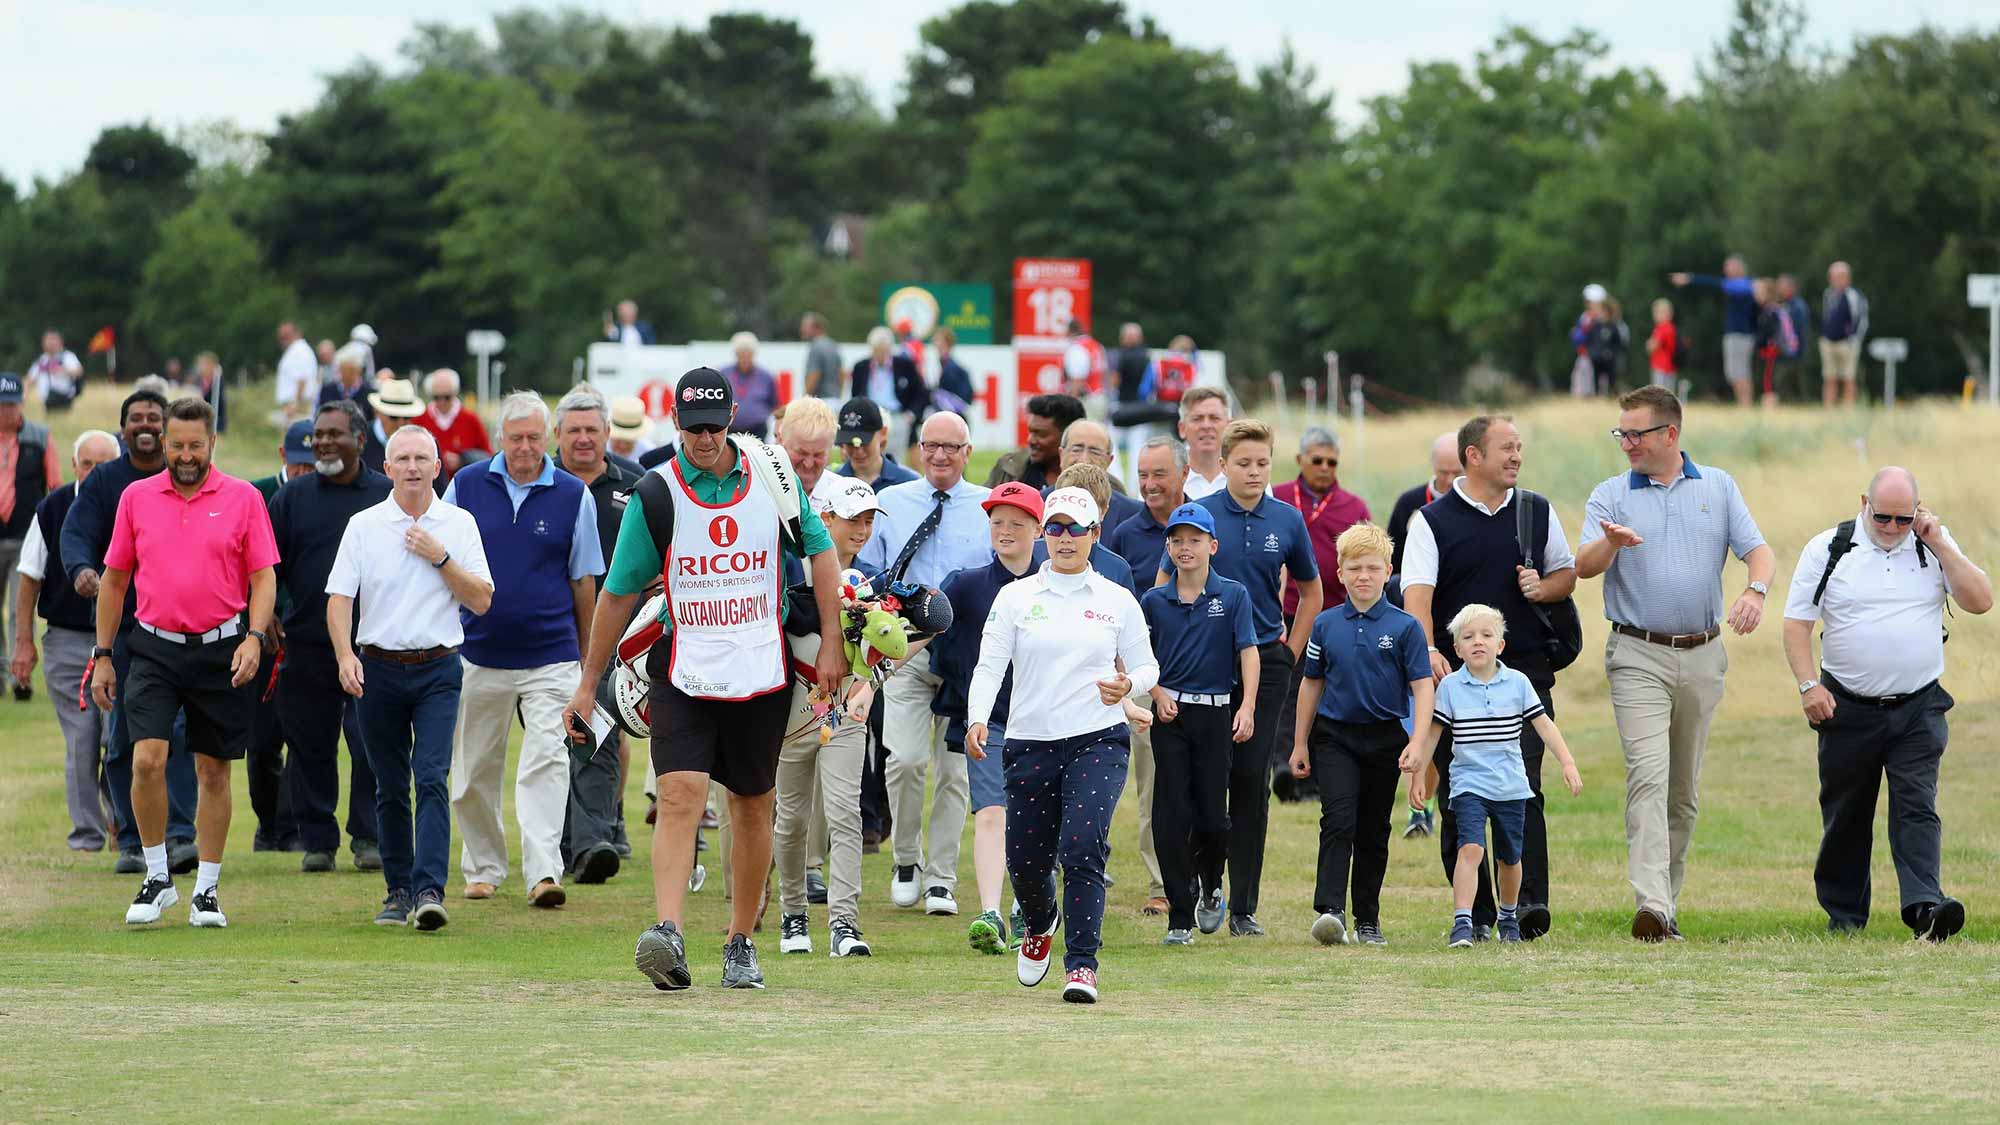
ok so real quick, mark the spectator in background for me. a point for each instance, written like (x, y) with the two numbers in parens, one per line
(394, 404)
(823, 375)
(324, 353)
(954, 386)
(365, 336)
(631, 430)
(264, 762)
(1739, 320)
(67, 642)
(1601, 340)
(890, 379)
(208, 383)
(1083, 365)
(456, 429)
(1328, 510)
(1775, 335)
(298, 374)
(1132, 379)
(756, 391)
(308, 516)
(1204, 413)
(30, 468)
(56, 374)
(1843, 325)
(628, 329)
(1036, 465)
(864, 445)
(1791, 364)
(1663, 354)
(1445, 468)
(350, 380)
(806, 430)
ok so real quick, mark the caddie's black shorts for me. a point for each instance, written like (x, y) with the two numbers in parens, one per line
(165, 677)
(734, 742)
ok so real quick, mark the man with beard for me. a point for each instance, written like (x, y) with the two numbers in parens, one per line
(194, 545)
(308, 517)
(86, 532)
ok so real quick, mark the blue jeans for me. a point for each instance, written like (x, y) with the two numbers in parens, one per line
(1060, 796)
(408, 713)
(182, 792)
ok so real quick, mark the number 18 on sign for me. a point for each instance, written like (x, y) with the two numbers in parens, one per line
(1050, 296)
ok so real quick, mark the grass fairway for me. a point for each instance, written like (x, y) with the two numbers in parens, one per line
(302, 1009)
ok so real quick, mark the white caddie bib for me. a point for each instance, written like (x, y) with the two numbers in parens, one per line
(725, 587)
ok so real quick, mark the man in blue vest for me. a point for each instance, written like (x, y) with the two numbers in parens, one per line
(539, 527)
(67, 642)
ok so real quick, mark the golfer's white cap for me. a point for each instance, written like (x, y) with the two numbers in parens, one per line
(1073, 503)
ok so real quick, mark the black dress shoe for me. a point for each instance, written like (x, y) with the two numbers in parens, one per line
(1936, 922)
(131, 862)
(815, 888)
(597, 864)
(1534, 920)
(182, 856)
(367, 855)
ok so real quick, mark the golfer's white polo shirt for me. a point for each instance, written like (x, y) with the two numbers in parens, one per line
(1883, 612)
(403, 600)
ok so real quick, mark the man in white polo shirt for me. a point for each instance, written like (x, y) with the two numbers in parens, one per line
(1877, 585)
(411, 561)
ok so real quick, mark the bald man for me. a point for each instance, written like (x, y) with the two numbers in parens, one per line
(1445, 468)
(1085, 442)
(1876, 703)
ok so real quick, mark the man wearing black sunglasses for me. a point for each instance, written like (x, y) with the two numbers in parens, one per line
(1877, 704)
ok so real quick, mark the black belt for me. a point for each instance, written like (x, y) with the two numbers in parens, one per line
(1669, 640)
(408, 655)
(1882, 701)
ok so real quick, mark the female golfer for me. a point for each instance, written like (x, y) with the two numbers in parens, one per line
(1078, 647)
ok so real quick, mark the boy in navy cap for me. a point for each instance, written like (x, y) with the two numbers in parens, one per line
(1366, 660)
(1206, 643)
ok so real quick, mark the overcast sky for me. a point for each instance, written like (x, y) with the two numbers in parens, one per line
(73, 67)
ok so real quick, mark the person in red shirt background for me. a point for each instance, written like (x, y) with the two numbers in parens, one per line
(455, 428)
(1328, 510)
(1663, 346)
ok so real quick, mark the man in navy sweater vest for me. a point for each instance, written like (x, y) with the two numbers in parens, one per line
(539, 527)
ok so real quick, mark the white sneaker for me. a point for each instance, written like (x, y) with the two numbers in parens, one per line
(1330, 929)
(794, 935)
(1032, 963)
(903, 885)
(845, 938)
(937, 900)
(154, 896)
(206, 912)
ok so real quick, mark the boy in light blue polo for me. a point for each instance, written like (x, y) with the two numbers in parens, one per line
(1485, 705)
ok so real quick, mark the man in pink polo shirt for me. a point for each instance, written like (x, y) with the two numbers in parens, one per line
(197, 545)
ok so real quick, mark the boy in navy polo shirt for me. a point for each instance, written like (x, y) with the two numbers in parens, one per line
(1014, 519)
(1207, 647)
(1349, 734)
(1484, 705)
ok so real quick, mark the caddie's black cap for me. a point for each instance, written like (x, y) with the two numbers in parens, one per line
(860, 420)
(702, 398)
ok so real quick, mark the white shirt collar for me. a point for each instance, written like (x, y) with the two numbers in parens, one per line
(1458, 486)
(1057, 582)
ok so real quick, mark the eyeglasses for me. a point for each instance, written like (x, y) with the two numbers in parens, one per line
(1883, 519)
(1067, 530)
(944, 446)
(1088, 451)
(1631, 437)
(1324, 462)
(704, 430)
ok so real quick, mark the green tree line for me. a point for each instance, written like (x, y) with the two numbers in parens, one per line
(528, 176)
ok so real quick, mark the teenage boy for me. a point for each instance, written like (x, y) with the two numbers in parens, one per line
(1206, 643)
(1485, 705)
(1014, 517)
(1377, 662)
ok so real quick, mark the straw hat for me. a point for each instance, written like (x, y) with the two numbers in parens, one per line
(628, 418)
(396, 398)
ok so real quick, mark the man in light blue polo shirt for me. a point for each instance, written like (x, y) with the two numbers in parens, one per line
(1661, 534)
(927, 529)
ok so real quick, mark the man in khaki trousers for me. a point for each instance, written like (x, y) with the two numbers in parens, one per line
(1660, 534)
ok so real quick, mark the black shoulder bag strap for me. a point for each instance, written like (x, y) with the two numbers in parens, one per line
(1565, 641)
(656, 500)
(1842, 542)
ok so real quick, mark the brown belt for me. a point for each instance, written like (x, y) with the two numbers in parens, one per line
(1670, 640)
(408, 655)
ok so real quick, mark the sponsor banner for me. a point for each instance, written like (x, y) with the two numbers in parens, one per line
(964, 307)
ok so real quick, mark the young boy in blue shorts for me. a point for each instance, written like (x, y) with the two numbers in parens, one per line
(1485, 705)
(1366, 663)
(1206, 642)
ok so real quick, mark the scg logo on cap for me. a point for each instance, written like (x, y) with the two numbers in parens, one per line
(690, 394)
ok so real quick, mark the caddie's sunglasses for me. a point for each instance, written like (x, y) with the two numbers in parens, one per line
(1884, 519)
(703, 429)
(1069, 530)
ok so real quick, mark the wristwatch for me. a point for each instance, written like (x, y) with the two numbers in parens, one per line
(263, 638)
(439, 565)
(99, 652)
(1762, 589)
(1807, 685)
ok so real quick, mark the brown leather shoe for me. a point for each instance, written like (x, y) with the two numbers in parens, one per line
(548, 894)
(1648, 925)
(1154, 906)
(479, 890)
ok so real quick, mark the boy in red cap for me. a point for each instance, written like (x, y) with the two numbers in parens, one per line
(1014, 513)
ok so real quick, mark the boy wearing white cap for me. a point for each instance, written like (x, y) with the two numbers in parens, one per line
(834, 764)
